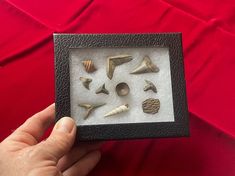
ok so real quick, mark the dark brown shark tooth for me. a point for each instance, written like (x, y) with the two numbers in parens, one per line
(102, 89)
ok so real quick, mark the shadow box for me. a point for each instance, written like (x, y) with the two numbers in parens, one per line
(121, 86)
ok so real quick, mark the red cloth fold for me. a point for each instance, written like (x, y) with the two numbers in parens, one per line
(208, 28)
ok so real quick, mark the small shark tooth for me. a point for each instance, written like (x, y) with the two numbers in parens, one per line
(114, 61)
(90, 107)
(86, 82)
(150, 86)
(89, 66)
(118, 110)
(146, 66)
(102, 89)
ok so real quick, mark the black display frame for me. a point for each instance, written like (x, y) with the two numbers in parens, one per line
(173, 41)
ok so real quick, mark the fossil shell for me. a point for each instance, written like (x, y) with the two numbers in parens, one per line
(151, 106)
(122, 89)
(118, 110)
(86, 82)
(90, 107)
(89, 66)
(146, 66)
(102, 89)
(150, 86)
(114, 61)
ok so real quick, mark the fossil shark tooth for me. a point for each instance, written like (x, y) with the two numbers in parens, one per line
(120, 109)
(122, 89)
(86, 82)
(151, 106)
(114, 61)
(90, 107)
(150, 86)
(89, 66)
(146, 66)
(102, 89)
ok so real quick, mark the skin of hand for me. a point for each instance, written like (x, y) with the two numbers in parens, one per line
(22, 153)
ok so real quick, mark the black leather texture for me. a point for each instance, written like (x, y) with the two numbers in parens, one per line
(63, 43)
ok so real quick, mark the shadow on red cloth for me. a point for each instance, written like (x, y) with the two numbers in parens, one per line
(203, 153)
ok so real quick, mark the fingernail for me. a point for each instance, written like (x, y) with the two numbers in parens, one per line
(66, 124)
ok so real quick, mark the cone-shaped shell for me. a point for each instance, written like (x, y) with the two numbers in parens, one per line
(89, 66)
(86, 82)
(146, 66)
(120, 109)
(114, 61)
(150, 86)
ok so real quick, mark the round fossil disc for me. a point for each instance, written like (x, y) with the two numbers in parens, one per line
(122, 89)
(151, 106)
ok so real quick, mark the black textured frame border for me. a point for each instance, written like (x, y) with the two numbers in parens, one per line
(62, 45)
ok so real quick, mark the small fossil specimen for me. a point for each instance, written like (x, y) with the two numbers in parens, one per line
(146, 66)
(102, 89)
(122, 89)
(86, 82)
(151, 106)
(118, 110)
(89, 108)
(114, 61)
(150, 86)
(89, 66)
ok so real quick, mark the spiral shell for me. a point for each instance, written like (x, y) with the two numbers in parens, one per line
(151, 106)
(118, 110)
(89, 66)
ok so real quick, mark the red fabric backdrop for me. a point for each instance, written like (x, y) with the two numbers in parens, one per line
(208, 27)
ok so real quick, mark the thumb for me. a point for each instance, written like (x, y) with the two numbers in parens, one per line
(61, 139)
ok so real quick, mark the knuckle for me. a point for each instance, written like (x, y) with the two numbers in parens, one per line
(61, 139)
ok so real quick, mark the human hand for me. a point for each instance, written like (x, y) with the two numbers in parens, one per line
(21, 154)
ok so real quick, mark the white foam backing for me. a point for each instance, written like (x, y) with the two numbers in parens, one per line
(79, 94)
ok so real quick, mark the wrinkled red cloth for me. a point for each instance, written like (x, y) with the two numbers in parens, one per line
(208, 28)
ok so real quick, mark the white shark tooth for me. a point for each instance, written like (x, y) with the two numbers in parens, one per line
(86, 82)
(120, 109)
(114, 61)
(146, 66)
(89, 108)
(150, 86)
